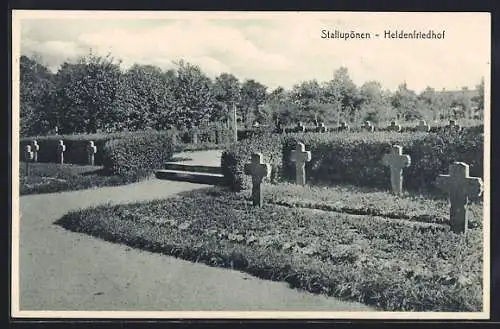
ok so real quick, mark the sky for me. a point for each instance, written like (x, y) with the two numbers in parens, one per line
(276, 49)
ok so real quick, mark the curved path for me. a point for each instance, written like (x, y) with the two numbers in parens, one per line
(62, 270)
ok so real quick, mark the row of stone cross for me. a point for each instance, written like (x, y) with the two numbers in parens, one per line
(458, 184)
(422, 126)
(31, 152)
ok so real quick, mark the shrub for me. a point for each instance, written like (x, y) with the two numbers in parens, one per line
(234, 158)
(215, 133)
(76, 152)
(138, 154)
(355, 158)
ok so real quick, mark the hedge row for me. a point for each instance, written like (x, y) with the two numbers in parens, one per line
(355, 158)
(137, 154)
(235, 157)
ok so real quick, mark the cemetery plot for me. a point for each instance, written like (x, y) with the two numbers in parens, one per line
(51, 177)
(388, 264)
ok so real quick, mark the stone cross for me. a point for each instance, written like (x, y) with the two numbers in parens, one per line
(460, 186)
(367, 125)
(343, 126)
(28, 157)
(300, 127)
(453, 126)
(394, 127)
(35, 148)
(322, 128)
(396, 160)
(61, 148)
(423, 126)
(258, 170)
(300, 156)
(91, 151)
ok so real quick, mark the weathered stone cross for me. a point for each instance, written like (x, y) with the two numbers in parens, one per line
(300, 156)
(396, 160)
(91, 151)
(61, 148)
(258, 170)
(394, 127)
(460, 186)
(367, 126)
(423, 126)
(343, 126)
(28, 157)
(322, 128)
(300, 127)
(35, 148)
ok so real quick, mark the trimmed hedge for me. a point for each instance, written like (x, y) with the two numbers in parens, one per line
(76, 152)
(138, 154)
(356, 158)
(213, 133)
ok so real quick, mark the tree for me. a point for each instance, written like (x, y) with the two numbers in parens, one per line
(253, 95)
(341, 92)
(478, 100)
(374, 103)
(36, 84)
(404, 101)
(85, 93)
(306, 98)
(194, 102)
(145, 98)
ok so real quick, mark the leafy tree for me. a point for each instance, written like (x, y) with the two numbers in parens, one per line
(478, 100)
(374, 103)
(341, 92)
(253, 95)
(306, 97)
(226, 90)
(36, 84)
(404, 101)
(85, 93)
(144, 99)
(194, 101)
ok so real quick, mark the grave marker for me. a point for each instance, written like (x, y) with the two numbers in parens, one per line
(300, 128)
(394, 127)
(258, 170)
(396, 161)
(322, 128)
(28, 157)
(423, 126)
(452, 126)
(35, 148)
(300, 156)
(61, 148)
(91, 151)
(459, 186)
(343, 126)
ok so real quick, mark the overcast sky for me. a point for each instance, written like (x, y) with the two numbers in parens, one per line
(273, 48)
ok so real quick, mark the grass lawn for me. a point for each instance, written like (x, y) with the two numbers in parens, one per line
(52, 177)
(373, 259)
(367, 201)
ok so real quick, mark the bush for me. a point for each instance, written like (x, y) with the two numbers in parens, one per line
(214, 133)
(138, 154)
(356, 158)
(234, 158)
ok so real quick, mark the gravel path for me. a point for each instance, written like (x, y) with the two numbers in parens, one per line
(63, 270)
